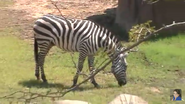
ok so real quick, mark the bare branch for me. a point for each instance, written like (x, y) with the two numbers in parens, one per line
(138, 37)
(84, 75)
(133, 50)
(57, 8)
(73, 60)
(151, 1)
(154, 2)
(102, 63)
(139, 34)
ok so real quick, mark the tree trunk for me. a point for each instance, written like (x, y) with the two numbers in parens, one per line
(127, 13)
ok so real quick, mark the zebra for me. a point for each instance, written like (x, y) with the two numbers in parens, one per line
(76, 35)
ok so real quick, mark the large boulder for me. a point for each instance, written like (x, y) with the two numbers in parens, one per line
(128, 99)
(70, 102)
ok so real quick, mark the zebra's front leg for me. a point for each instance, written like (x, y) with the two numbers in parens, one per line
(79, 69)
(91, 69)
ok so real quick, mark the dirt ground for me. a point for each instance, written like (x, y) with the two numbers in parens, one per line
(69, 8)
(23, 12)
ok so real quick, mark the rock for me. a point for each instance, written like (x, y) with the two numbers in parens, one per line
(128, 99)
(70, 102)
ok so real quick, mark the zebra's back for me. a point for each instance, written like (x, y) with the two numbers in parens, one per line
(66, 34)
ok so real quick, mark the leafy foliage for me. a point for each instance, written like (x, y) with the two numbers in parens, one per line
(140, 31)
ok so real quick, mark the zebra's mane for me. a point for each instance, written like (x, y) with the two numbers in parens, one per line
(108, 30)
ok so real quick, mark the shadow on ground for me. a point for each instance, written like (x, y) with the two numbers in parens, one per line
(38, 84)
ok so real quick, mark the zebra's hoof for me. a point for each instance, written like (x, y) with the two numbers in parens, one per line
(97, 86)
(45, 81)
(38, 79)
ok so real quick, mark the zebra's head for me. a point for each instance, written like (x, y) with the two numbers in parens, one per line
(119, 67)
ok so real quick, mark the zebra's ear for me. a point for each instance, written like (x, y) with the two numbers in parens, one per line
(126, 54)
(117, 50)
(123, 48)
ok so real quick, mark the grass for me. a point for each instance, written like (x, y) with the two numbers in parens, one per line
(158, 64)
(166, 56)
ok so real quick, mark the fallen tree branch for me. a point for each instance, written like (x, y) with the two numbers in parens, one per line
(63, 93)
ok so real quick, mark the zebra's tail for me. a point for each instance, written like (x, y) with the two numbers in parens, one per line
(35, 50)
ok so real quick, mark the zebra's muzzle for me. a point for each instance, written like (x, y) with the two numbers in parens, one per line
(121, 83)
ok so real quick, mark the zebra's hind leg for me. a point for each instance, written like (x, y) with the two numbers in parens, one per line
(81, 60)
(44, 49)
(37, 72)
(91, 69)
(36, 59)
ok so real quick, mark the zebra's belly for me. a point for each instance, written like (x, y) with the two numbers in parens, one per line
(68, 49)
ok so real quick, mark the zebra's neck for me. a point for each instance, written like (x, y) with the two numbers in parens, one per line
(109, 42)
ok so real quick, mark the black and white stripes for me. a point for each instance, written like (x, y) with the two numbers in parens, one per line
(75, 35)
